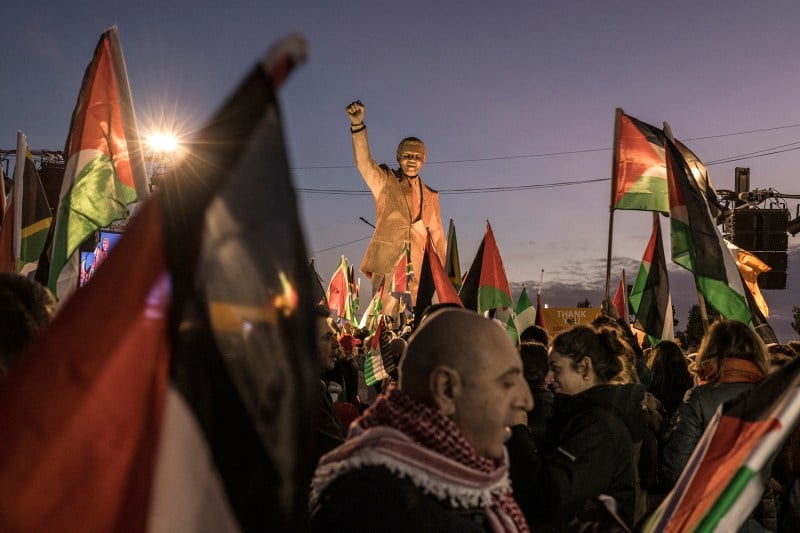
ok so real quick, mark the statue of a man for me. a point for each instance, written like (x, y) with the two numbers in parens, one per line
(404, 205)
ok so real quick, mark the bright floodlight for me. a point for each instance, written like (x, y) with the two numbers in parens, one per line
(162, 142)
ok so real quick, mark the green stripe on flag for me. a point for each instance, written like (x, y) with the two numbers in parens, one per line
(96, 199)
(373, 369)
(492, 298)
(725, 300)
(648, 193)
(726, 500)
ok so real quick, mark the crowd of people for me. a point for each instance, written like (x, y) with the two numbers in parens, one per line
(585, 430)
(470, 432)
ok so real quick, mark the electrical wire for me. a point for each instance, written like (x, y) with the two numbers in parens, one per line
(510, 188)
(340, 245)
(568, 152)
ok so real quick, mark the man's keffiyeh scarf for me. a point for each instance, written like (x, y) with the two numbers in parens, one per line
(418, 443)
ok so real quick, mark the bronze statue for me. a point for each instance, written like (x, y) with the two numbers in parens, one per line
(404, 205)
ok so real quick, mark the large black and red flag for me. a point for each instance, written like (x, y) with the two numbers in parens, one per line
(435, 286)
(185, 404)
(485, 285)
(650, 298)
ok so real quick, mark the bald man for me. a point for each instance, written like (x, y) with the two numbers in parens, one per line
(404, 206)
(429, 454)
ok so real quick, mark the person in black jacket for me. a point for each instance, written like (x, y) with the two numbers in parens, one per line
(329, 432)
(731, 359)
(535, 368)
(588, 449)
(671, 377)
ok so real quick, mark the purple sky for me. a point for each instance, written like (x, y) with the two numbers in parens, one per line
(474, 82)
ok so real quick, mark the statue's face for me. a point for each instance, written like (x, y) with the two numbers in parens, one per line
(411, 162)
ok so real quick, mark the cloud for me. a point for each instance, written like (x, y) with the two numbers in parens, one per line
(581, 280)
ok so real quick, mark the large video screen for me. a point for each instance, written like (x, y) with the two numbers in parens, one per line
(91, 261)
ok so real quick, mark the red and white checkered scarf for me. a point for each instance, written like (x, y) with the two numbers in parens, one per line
(417, 442)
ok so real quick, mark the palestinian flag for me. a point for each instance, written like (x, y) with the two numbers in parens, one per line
(434, 285)
(376, 367)
(620, 299)
(369, 319)
(400, 280)
(352, 297)
(700, 174)
(485, 285)
(186, 409)
(31, 210)
(452, 265)
(507, 319)
(639, 179)
(697, 244)
(339, 290)
(539, 313)
(650, 298)
(104, 164)
(722, 482)
(525, 311)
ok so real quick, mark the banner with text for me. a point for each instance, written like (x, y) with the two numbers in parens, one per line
(560, 319)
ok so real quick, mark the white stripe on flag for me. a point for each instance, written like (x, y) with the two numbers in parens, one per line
(187, 492)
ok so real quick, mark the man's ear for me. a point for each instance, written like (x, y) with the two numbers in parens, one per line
(445, 387)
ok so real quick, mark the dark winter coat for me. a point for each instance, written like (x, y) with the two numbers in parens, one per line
(328, 430)
(588, 451)
(372, 498)
(540, 415)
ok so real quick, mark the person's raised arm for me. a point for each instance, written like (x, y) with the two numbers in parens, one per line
(372, 173)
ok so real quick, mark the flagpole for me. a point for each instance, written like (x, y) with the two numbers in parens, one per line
(614, 166)
(626, 307)
(19, 177)
(700, 299)
(541, 278)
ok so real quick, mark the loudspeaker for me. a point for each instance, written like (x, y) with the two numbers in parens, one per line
(764, 233)
(760, 229)
(775, 279)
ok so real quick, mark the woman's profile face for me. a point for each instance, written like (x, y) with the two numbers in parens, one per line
(564, 377)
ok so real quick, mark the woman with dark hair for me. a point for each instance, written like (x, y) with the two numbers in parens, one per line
(731, 359)
(535, 370)
(671, 377)
(588, 447)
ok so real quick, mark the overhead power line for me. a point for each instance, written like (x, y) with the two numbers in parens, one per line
(359, 192)
(567, 152)
(340, 245)
(480, 190)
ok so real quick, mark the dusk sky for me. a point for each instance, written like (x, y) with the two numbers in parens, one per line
(507, 94)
